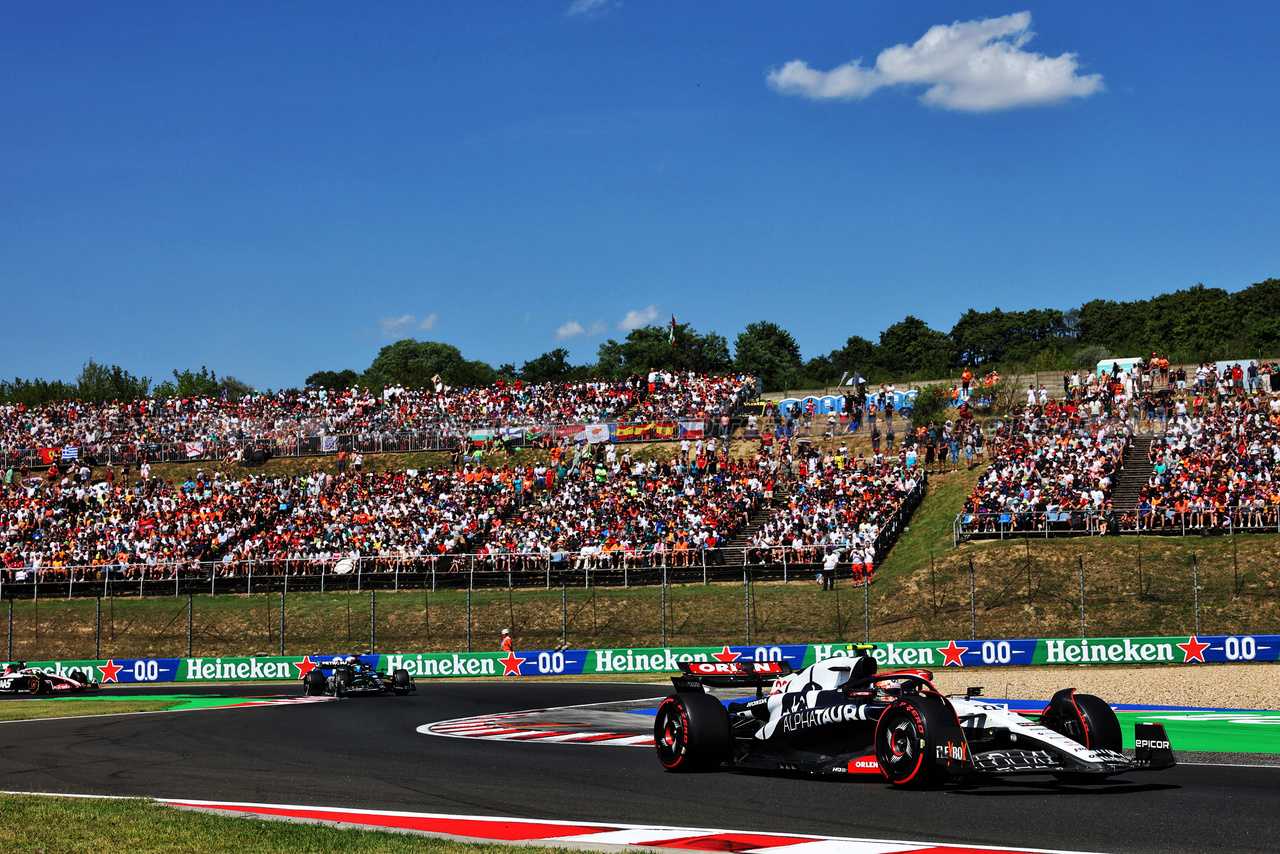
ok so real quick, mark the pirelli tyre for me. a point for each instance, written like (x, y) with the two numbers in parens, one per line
(691, 733)
(36, 685)
(79, 676)
(341, 681)
(1086, 719)
(400, 682)
(313, 684)
(906, 741)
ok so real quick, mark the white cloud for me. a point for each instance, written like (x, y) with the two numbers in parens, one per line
(589, 7)
(395, 326)
(574, 329)
(636, 319)
(975, 66)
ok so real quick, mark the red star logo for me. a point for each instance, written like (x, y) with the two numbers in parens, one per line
(726, 655)
(951, 654)
(1193, 650)
(109, 671)
(511, 664)
(305, 666)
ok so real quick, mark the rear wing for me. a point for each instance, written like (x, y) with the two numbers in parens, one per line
(696, 676)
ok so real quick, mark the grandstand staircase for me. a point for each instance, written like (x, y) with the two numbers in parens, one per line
(1134, 474)
(781, 493)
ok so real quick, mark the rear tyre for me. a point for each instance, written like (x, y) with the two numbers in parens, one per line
(691, 733)
(905, 742)
(400, 682)
(79, 676)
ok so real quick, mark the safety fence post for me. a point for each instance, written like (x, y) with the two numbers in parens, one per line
(866, 605)
(973, 605)
(97, 628)
(564, 614)
(1080, 558)
(191, 607)
(373, 621)
(1195, 588)
(664, 604)
(8, 654)
(282, 595)
(746, 586)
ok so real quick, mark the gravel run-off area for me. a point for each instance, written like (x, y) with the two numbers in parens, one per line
(1221, 686)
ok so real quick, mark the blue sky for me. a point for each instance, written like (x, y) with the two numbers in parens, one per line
(274, 189)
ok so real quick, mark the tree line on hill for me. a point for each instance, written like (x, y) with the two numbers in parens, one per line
(1187, 326)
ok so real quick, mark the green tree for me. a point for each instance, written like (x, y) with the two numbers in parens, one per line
(36, 392)
(549, 367)
(650, 348)
(412, 364)
(766, 350)
(910, 347)
(931, 404)
(857, 356)
(336, 380)
(190, 384)
(109, 382)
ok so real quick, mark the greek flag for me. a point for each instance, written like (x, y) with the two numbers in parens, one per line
(70, 453)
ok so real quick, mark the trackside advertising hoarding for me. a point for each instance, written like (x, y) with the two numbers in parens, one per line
(1205, 649)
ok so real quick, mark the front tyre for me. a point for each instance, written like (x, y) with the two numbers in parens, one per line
(35, 685)
(691, 733)
(906, 741)
(400, 682)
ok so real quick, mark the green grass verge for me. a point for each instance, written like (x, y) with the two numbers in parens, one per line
(31, 710)
(51, 825)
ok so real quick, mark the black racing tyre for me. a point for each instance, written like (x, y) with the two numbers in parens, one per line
(1102, 727)
(691, 733)
(341, 682)
(35, 685)
(400, 681)
(313, 683)
(79, 676)
(905, 742)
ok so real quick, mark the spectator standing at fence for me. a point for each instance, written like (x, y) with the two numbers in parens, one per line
(829, 564)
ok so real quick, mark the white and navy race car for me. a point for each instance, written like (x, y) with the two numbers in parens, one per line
(840, 716)
(20, 679)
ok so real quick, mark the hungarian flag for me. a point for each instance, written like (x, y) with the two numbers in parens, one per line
(672, 337)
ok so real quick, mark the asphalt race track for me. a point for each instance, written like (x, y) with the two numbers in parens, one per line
(367, 753)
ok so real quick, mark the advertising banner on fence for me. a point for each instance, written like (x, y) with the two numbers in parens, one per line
(1206, 649)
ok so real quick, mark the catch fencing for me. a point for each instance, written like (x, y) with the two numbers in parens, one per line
(736, 605)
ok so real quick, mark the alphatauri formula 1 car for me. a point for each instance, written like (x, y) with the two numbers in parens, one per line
(351, 677)
(20, 679)
(840, 716)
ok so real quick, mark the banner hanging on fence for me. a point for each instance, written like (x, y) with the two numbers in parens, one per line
(1206, 649)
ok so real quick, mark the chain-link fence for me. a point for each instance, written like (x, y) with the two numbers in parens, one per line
(1065, 588)
(661, 607)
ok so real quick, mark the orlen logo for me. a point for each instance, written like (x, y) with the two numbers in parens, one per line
(1151, 744)
(865, 765)
(709, 667)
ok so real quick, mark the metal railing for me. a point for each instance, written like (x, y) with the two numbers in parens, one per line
(1000, 525)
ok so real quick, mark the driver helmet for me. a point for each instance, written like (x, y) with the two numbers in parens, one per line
(352, 660)
(889, 689)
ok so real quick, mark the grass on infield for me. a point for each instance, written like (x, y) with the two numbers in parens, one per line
(32, 710)
(35, 824)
